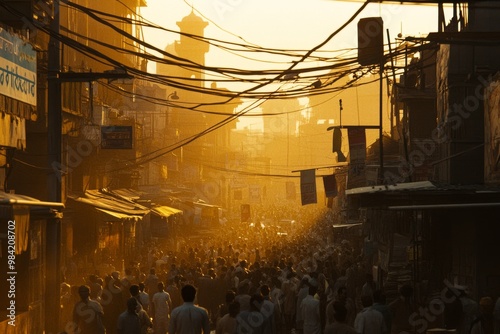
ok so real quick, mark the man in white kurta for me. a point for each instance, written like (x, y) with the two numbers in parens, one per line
(310, 312)
(160, 310)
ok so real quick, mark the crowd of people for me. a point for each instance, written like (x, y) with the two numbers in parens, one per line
(242, 280)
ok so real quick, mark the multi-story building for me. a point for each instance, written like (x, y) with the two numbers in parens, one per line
(432, 219)
(72, 48)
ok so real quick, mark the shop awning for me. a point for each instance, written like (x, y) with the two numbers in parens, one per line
(130, 195)
(22, 208)
(347, 225)
(112, 206)
(13, 199)
(166, 211)
(392, 187)
(121, 216)
(426, 195)
(443, 206)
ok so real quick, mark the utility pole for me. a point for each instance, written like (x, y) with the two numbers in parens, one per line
(54, 134)
(381, 119)
(56, 173)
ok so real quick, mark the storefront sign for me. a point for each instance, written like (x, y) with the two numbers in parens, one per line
(116, 137)
(17, 68)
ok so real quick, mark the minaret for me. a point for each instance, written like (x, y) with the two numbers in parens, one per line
(192, 48)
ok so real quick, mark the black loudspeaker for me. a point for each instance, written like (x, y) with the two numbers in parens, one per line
(370, 41)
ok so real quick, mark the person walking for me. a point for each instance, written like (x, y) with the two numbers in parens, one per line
(484, 323)
(337, 320)
(129, 321)
(254, 321)
(88, 314)
(496, 316)
(142, 313)
(302, 293)
(379, 304)
(161, 305)
(310, 312)
(112, 303)
(228, 323)
(151, 282)
(189, 318)
(369, 320)
(144, 296)
(402, 308)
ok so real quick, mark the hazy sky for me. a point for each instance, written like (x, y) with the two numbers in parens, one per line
(287, 24)
(283, 24)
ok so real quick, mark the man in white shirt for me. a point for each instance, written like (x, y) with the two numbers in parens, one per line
(161, 304)
(369, 320)
(310, 312)
(189, 318)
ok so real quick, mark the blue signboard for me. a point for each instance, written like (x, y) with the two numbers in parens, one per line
(17, 68)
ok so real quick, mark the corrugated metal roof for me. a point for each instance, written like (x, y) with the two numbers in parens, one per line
(12, 199)
(443, 206)
(420, 185)
(426, 195)
(166, 211)
(106, 202)
(130, 195)
(119, 215)
(347, 225)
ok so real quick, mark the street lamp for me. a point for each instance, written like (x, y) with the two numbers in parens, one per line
(170, 116)
(173, 96)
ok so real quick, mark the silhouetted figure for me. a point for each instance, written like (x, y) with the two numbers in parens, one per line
(189, 318)
(129, 321)
(88, 314)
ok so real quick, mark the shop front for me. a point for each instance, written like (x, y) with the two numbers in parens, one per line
(25, 261)
(106, 234)
(431, 236)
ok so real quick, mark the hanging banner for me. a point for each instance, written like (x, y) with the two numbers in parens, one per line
(330, 184)
(308, 186)
(357, 156)
(357, 144)
(337, 145)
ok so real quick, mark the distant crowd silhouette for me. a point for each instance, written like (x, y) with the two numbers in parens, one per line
(248, 280)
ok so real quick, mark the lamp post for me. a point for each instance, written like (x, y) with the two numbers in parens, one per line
(171, 133)
(170, 116)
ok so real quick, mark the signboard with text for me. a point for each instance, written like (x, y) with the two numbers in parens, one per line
(17, 68)
(116, 137)
(308, 186)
